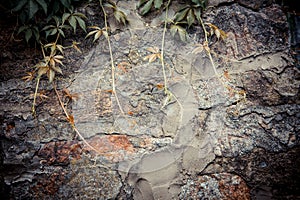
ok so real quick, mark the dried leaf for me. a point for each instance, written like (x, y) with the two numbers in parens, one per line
(29, 77)
(74, 45)
(70, 119)
(60, 48)
(42, 71)
(120, 16)
(68, 94)
(57, 69)
(130, 113)
(198, 49)
(123, 65)
(226, 75)
(206, 47)
(152, 57)
(243, 93)
(217, 33)
(160, 86)
(51, 75)
(153, 49)
(97, 35)
(109, 91)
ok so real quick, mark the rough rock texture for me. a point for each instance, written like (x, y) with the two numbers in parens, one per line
(234, 135)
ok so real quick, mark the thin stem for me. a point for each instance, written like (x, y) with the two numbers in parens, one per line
(111, 59)
(72, 123)
(60, 102)
(204, 30)
(57, 38)
(35, 94)
(162, 49)
(208, 51)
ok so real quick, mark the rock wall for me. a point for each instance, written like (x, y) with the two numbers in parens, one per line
(230, 135)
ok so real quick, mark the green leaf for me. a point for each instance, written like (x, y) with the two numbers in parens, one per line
(81, 23)
(81, 15)
(36, 33)
(43, 4)
(20, 5)
(182, 34)
(53, 31)
(61, 32)
(22, 28)
(72, 22)
(65, 17)
(28, 35)
(141, 2)
(173, 30)
(146, 8)
(204, 4)
(57, 20)
(158, 3)
(48, 27)
(198, 15)
(181, 31)
(197, 2)
(111, 5)
(66, 3)
(55, 8)
(32, 9)
(181, 15)
(190, 17)
(47, 33)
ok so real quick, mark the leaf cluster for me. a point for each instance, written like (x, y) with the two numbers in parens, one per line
(28, 9)
(119, 15)
(190, 13)
(50, 64)
(146, 5)
(33, 14)
(97, 32)
(155, 54)
(214, 30)
(72, 18)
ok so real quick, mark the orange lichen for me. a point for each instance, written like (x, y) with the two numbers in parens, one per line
(113, 147)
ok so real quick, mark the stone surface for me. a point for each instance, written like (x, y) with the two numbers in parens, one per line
(230, 135)
(215, 186)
